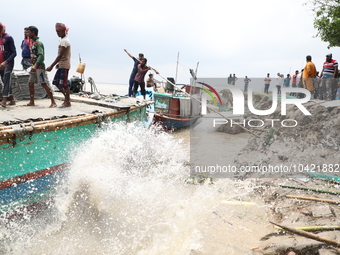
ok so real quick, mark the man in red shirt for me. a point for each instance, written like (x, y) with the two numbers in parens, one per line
(294, 80)
(328, 78)
(142, 69)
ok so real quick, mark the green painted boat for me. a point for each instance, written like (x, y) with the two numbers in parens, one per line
(36, 143)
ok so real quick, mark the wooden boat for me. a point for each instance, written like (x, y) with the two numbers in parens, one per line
(36, 143)
(174, 109)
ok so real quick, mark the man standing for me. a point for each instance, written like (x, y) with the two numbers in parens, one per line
(328, 78)
(233, 81)
(286, 81)
(38, 73)
(279, 83)
(294, 80)
(7, 55)
(62, 63)
(246, 83)
(230, 79)
(309, 72)
(142, 69)
(134, 70)
(26, 51)
(267, 81)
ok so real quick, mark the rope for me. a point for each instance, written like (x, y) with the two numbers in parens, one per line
(33, 130)
(19, 133)
(100, 118)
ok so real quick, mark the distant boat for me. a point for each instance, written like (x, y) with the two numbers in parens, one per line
(175, 109)
(36, 142)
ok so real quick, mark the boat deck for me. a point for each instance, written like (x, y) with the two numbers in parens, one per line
(18, 113)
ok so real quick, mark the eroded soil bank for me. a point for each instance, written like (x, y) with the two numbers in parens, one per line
(308, 147)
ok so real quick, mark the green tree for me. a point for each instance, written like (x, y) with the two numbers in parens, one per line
(327, 20)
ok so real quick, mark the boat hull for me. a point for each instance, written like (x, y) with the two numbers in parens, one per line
(29, 189)
(175, 111)
(172, 123)
(34, 157)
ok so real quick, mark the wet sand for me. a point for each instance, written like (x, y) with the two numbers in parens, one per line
(238, 219)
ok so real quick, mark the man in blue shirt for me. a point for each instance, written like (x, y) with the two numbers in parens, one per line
(26, 51)
(134, 70)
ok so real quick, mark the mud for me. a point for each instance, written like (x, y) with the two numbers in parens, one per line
(311, 149)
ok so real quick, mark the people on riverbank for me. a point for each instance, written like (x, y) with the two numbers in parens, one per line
(279, 83)
(328, 76)
(294, 79)
(326, 91)
(230, 79)
(309, 73)
(286, 81)
(246, 83)
(267, 81)
(234, 79)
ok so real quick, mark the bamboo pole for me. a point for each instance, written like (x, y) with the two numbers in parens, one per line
(44, 126)
(37, 123)
(27, 124)
(315, 199)
(315, 228)
(309, 235)
(4, 130)
(90, 101)
(310, 189)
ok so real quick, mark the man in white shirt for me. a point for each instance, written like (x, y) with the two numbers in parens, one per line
(62, 63)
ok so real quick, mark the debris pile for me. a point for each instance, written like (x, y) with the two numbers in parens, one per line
(303, 215)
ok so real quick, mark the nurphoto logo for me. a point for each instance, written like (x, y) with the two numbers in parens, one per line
(238, 101)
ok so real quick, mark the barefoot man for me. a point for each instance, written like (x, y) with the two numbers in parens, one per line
(62, 63)
(7, 55)
(37, 73)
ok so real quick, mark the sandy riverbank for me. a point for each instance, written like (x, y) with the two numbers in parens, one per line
(313, 144)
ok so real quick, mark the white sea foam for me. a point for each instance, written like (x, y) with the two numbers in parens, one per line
(125, 194)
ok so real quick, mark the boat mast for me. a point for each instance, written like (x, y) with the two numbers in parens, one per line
(194, 78)
(177, 68)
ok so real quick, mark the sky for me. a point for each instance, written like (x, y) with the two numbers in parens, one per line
(216, 37)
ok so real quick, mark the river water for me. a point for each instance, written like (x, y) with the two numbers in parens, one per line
(128, 191)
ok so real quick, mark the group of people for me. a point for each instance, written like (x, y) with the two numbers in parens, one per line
(280, 82)
(137, 77)
(232, 81)
(33, 56)
(323, 86)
